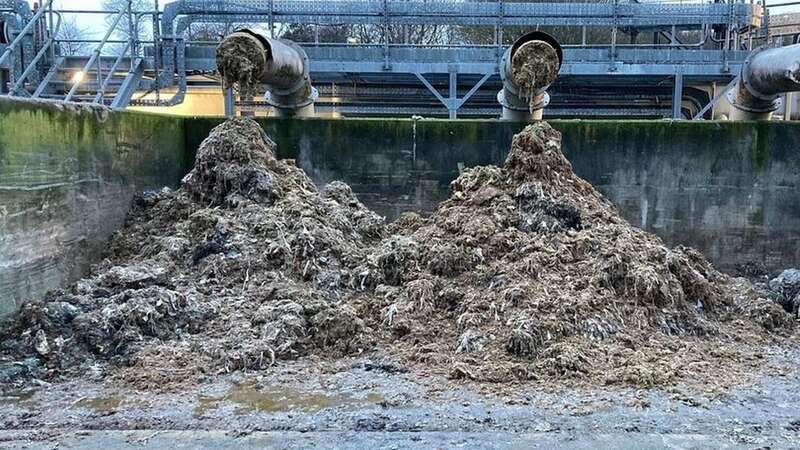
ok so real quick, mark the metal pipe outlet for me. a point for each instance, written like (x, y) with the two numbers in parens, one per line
(766, 74)
(249, 59)
(527, 69)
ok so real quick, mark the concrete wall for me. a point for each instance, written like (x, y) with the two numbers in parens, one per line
(66, 182)
(66, 177)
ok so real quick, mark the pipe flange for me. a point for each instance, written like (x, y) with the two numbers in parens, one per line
(544, 100)
(273, 100)
(771, 105)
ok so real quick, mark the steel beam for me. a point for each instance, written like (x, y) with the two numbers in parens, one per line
(123, 96)
(479, 60)
(462, 13)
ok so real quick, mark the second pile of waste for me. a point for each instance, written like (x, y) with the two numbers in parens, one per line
(524, 273)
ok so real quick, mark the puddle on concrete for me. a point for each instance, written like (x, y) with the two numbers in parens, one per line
(248, 398)
(99, 404)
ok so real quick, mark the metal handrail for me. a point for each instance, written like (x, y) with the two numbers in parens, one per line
(25, 30)
(39, 56)
(101, 92)
(138, 15)
(97, 51)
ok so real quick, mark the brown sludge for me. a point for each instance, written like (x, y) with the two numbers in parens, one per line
(525, 274)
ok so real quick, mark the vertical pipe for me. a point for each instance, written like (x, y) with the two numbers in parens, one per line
(228, 99)
(750, 30)
(500, 21)
(728, 27)
(677, 95)
(131, 30)
(452, 108)
(713, 95)
(787, 105)
(157, 55)
(99, 74)
(614, 35)
(386, 34)
(51, 31)
(271, 19)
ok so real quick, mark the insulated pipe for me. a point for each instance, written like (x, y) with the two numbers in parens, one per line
(527, 69)
(765, 75)
(248, 59)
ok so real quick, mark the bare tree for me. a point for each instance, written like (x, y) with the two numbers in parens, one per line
(214, 32)
(307, 33)
(402, 34)
(71, 31)
(129, 26)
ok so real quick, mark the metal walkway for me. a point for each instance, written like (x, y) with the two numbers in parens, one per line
(619, 76)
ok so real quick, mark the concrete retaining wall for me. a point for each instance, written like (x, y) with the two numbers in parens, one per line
(66, 178)
(66, 182)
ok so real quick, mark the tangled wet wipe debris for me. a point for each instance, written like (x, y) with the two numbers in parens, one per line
(241, 61)
(525, 274)
(534, 66)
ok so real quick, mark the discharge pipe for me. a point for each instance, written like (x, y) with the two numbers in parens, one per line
(766, 74)
(527, 69)
(249, 59)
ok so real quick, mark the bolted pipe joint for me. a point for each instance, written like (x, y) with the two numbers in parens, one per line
(527, 69)
(249, 60)
(766, 74)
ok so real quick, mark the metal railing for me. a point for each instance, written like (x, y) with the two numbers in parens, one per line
(49, 45)
(165, 56)
(102, 83)
(12, 47)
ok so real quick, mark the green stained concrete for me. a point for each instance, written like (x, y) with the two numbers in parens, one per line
(66, 182)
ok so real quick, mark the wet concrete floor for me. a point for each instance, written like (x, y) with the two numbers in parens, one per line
(302, 405)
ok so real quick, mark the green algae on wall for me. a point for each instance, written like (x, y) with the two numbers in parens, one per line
(67, 176)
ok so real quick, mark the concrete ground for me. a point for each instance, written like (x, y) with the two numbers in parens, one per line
(364, 405)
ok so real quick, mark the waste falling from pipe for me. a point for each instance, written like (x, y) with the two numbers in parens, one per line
(248, 60)
(527, 69)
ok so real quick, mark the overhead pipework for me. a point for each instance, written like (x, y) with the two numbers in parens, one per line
(765, 76)
(527, 69)
(248, 60)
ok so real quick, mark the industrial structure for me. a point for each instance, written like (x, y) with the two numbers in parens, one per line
(619, 58)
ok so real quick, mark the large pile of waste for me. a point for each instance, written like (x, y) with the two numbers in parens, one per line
(524, 273)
